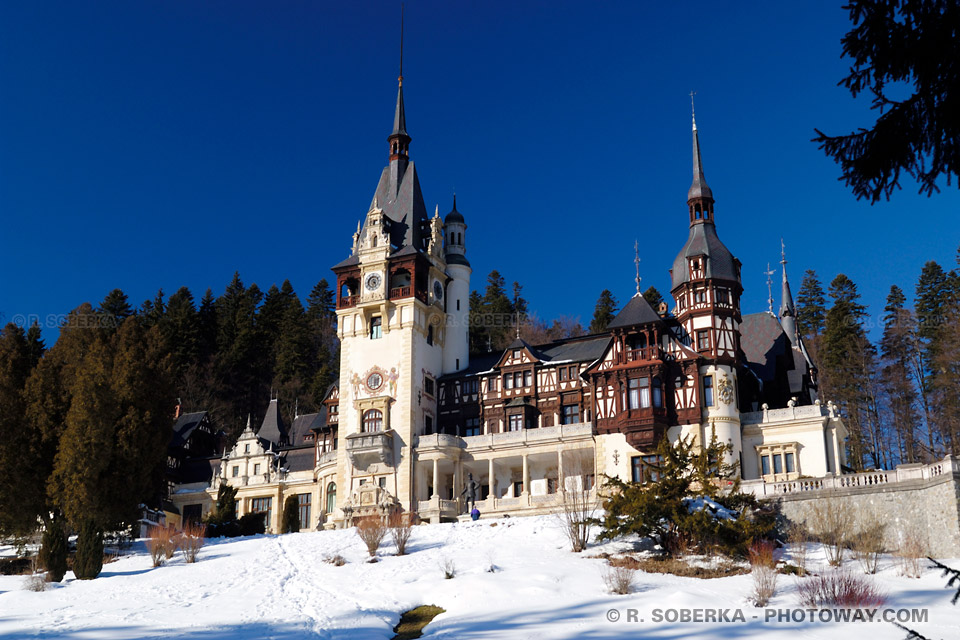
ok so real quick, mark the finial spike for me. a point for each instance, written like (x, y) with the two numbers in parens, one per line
(769, 273)
(693, 110)
(636, 262)
(400, 79)
(783, 253)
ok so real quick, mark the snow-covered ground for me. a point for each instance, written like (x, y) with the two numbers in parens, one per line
(280, 588)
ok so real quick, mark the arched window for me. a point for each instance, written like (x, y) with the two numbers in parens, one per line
(372, 421)
(331, 497)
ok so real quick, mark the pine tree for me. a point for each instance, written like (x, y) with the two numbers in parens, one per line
(898, 348)
(88, 561)
(479, 331)
(932, 302)
(17, 516)
(845, 356)
(35, 344)
(239, 372)
(225, 509)
(653, 296)
(181, 331)
(290, 522)
(87, 445)
(114, 309)
(153, 311)
(322, 324)
(207, 318)
(811, 306)
(54, 549)
(48, 394)
(499, 310)
(604, 311)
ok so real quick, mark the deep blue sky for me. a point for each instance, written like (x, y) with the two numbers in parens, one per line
(158, 144)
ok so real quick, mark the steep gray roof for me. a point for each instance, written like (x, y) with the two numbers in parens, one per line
(184, 426)
(699, 188)
(403, 205)
(786, 298)
(400, 115)
(298, 458)
(637, 311)
(305, 424)
(703, 241)
(272, 429)
(763, 340)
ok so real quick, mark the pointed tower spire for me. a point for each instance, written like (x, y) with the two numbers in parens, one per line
(700, 196)
(399, 140)
(788, 313)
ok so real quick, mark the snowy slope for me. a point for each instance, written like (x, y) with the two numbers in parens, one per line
(279, 587)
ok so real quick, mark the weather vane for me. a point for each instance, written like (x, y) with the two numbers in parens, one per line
(769, 273)
(636, 262)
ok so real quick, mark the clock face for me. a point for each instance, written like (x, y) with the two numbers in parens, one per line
(437, 290)
(374, 381)
(373, 282)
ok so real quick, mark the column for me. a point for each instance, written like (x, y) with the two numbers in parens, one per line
(836, 450)
(436, 479)
(526, 475)
(559, 470)
(493, 479)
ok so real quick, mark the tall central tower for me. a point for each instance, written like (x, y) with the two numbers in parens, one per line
(402, 299)
(707, 289)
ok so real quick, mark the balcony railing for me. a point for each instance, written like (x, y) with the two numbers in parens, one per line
(400, 292)
(365, 447)
(643, 353)
(327, 457)
(347, 301)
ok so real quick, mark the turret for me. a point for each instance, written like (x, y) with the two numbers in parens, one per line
(456, 350)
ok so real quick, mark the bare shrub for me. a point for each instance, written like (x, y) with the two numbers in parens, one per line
(448, 568)
(618, 579)
(839, 588)
(400, 531)
(191, 541)
(371, 531)
(761, 553)
(797, 538)
(867, 543)
(161, 544)
(336, 560)
(764, 584)
(35, 582)
(833, 527)
(911, 553)
(579, 506)
(763, 569)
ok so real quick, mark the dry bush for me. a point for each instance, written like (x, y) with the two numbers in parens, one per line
(911, 553)
(833, 526)
(579, 506)
(867, 543)
(448, 568)
(839, 588)
(679, 567)
(797, 538)
(618, 578)
(35, 582)
(336, 560)
(764, 584)
(372, 531)
(191, 541)
(400, 531)
(161, 544)
(761, 553)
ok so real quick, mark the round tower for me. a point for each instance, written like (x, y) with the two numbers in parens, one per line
(707, 288)
(456, 348)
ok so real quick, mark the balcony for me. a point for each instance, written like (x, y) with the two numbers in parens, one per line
(366, 448)
(527, 437)
(326, 458)
(400, 292)
(346, 302)
(643, 354)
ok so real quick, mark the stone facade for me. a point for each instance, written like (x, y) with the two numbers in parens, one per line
(919, 499)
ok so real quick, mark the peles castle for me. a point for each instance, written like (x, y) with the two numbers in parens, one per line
(414, 414)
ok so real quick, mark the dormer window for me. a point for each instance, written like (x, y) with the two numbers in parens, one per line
(517, 354)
